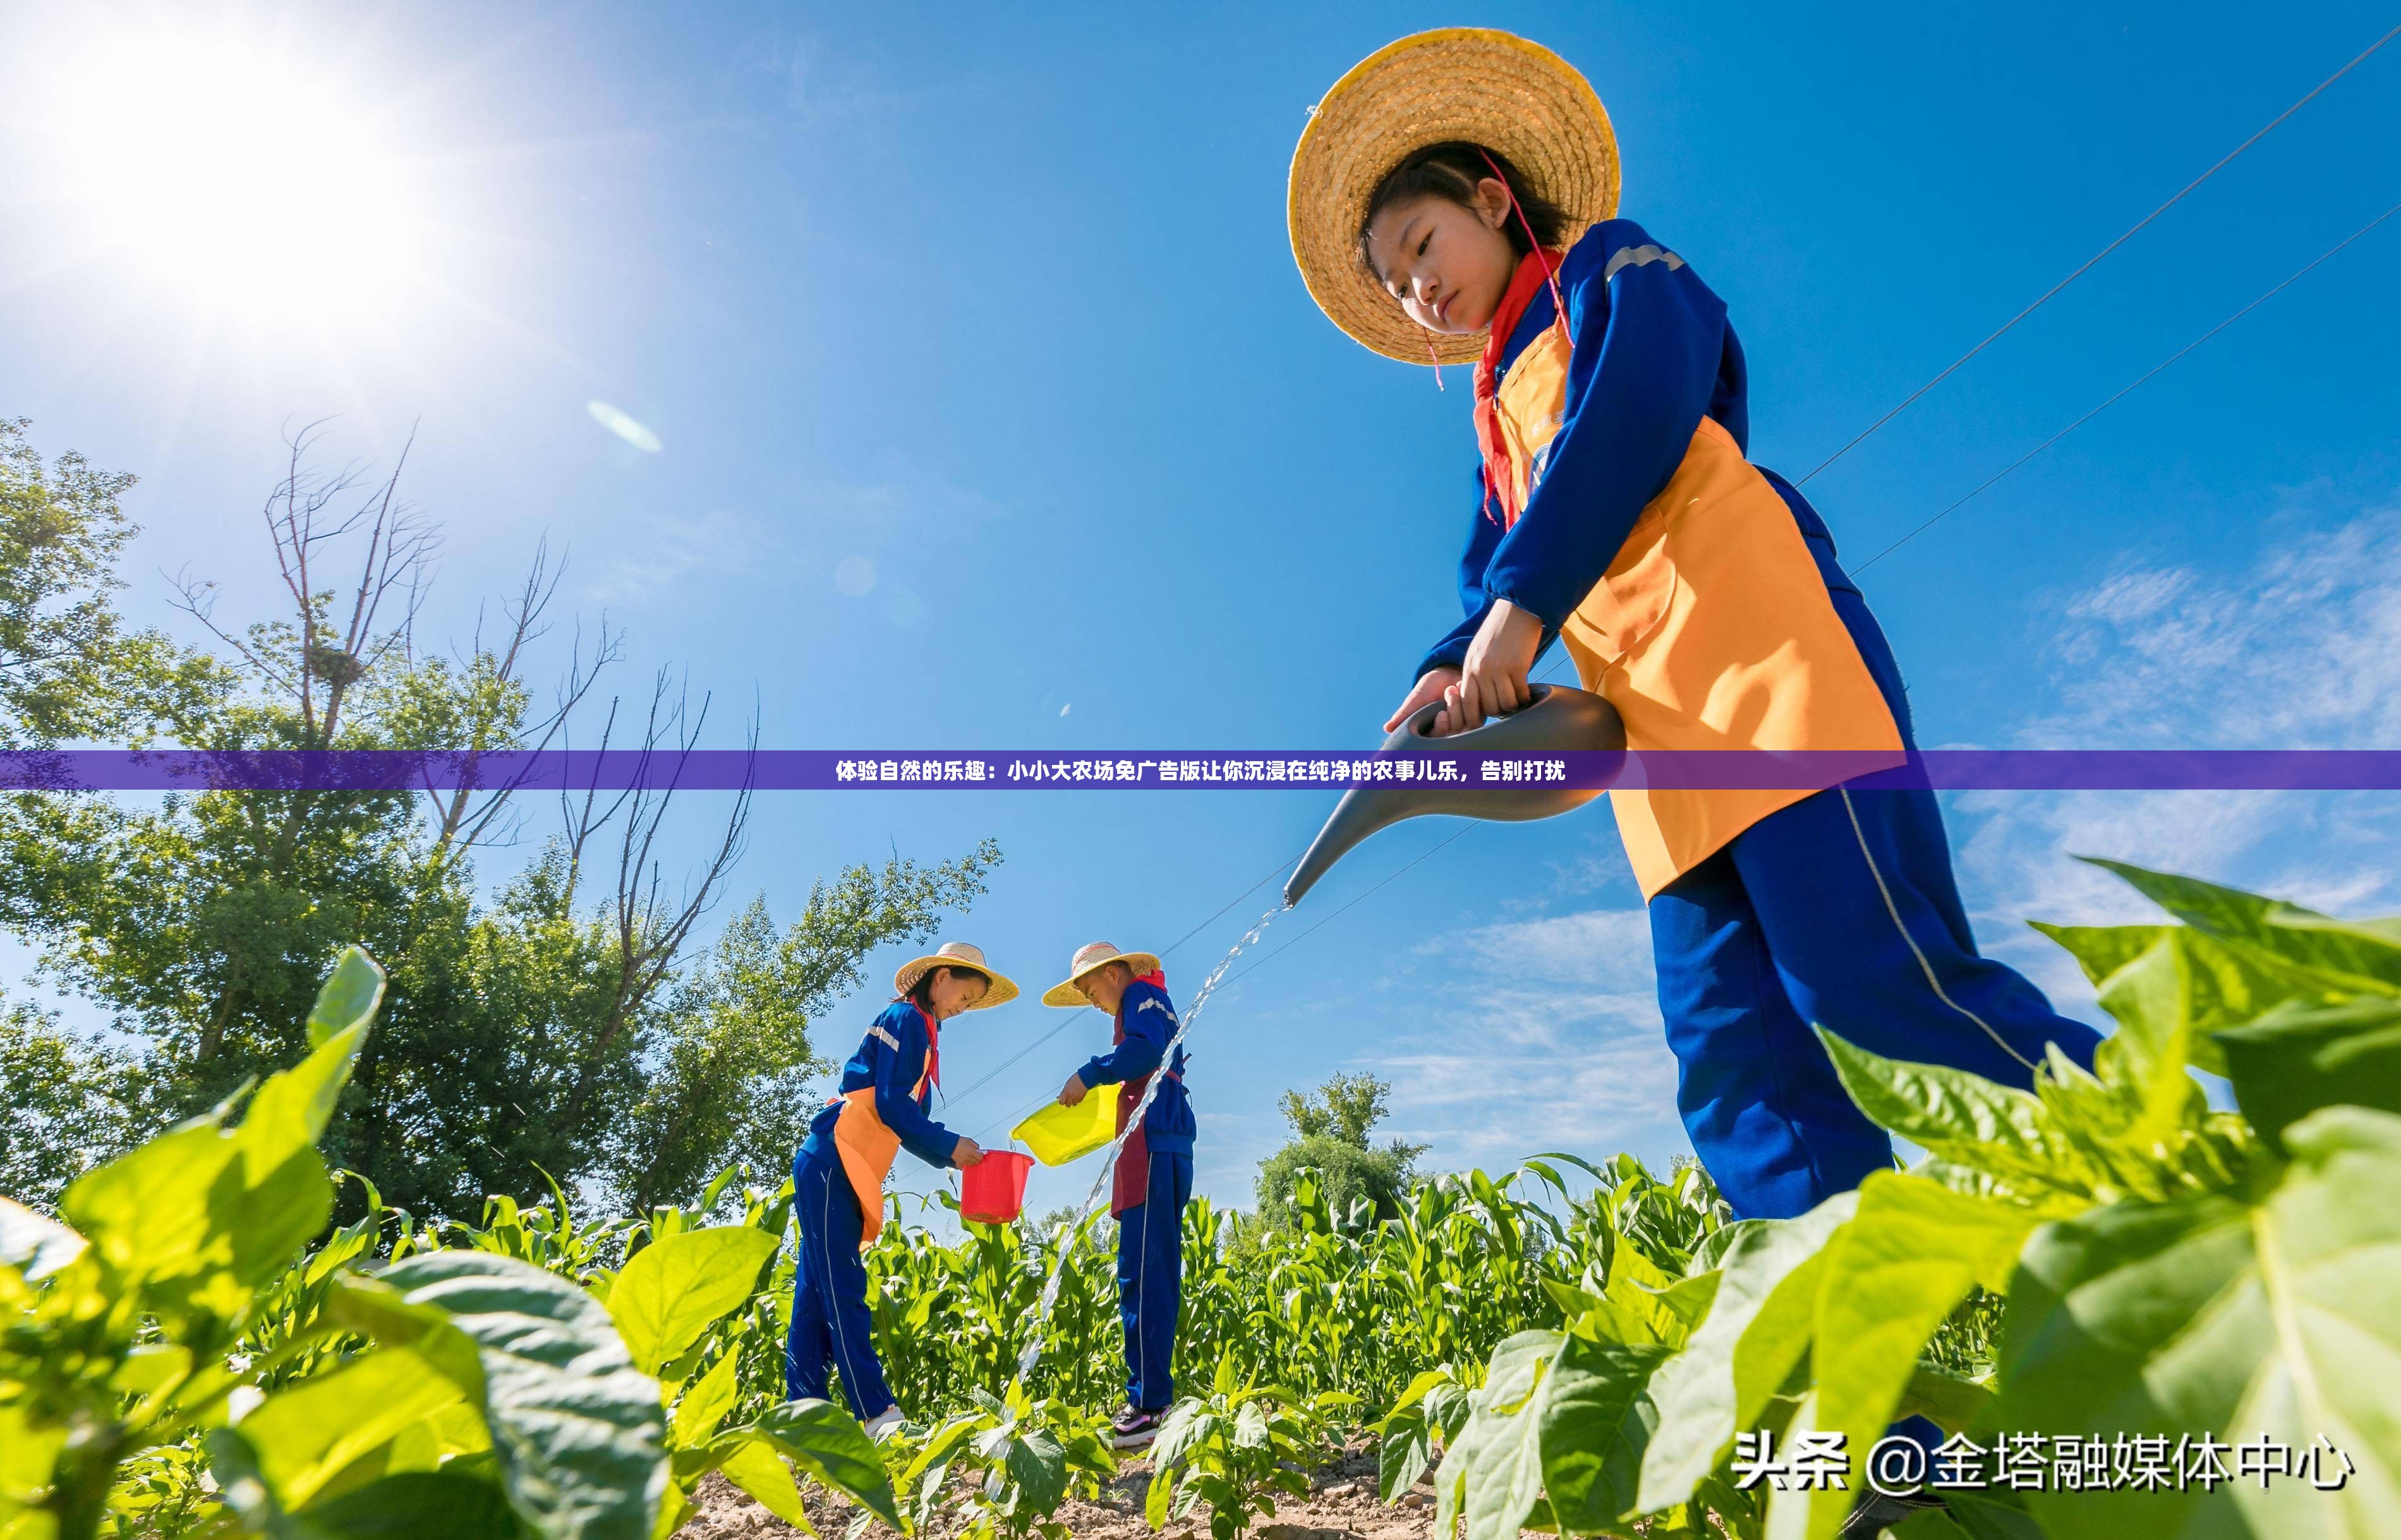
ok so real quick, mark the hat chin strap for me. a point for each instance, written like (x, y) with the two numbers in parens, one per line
(1558, 304)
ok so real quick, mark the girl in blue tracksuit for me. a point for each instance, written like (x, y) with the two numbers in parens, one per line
(1154, 1171)
(1451, 200)
(837, 1174)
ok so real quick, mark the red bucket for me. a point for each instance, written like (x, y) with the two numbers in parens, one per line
(993, 1190)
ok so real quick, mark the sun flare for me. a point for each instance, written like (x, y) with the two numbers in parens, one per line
(231, 172)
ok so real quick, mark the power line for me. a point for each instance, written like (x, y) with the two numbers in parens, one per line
(1470, 826)
(1263, 962)
(1070, 1020)
(2121, 395)
(2092, 261)
(1855, 441)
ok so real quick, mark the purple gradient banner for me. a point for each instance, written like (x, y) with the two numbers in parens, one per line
(1245, 769)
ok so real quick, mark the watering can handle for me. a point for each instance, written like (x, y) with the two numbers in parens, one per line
(1424, 718)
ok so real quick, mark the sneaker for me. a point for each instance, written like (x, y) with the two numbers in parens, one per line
(883, 1424)
(1135, 1428)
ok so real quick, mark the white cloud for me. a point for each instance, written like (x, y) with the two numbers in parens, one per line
(668, 548)
(2301, 649)
(1554, 1042)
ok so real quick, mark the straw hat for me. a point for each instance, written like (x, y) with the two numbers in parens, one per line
(1099, 954)
(1486, 87)
(956, 954)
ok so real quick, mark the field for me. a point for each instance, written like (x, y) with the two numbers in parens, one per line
(2128, 1312)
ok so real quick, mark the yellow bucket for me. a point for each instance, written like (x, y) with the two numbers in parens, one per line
(1058, 1135)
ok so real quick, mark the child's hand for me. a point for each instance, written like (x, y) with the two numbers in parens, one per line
(968, 1153)
(1074, 1091)
(1430, 688)
(1494, 680)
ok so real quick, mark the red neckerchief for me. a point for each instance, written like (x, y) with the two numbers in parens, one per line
(933, 1043)
(1534, 270)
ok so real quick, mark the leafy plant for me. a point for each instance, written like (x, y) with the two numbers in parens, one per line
(1028, 1455)
(1234, 1449)
(2162, 1271)
(174, 1321)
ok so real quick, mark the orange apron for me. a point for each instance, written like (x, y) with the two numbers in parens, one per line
(866, 1147)
(1711, 629)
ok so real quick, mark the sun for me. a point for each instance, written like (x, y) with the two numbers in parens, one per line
(228, 171)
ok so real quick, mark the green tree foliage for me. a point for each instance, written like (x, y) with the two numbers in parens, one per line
(1329, 1137)
(573, 1023)
(61, 534)
(66, 1104)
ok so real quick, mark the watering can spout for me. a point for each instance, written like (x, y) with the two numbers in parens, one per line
(1558, 720)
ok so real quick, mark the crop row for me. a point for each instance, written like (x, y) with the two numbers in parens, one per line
(2106, 1262)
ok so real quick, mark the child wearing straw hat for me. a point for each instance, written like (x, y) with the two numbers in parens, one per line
(1451, 200)
(1154, 1171)
(837, 1174)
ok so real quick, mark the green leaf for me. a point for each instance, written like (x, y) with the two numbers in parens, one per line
(348, 999)
(2359, 958)
(1402, 1454)
(1909, 1255)
(2101, 950)
(201, 1217)
(2226, 982)
(2210, 1316)
(1596, 1424)
(704, 1407)
(1945, 1398)
(579, 1432)
(755, 1467)
(311, 1432)
(1958, 1117)
(2300, 1059)
(675, 1290)
(418, 1505)
(1493, 1472)
(829, 1444)
(1755, 1332)
(1039, 1468)
(2151, 1051)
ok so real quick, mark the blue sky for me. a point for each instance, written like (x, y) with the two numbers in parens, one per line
(992, 413)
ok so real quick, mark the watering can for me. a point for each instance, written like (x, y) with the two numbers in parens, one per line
(1558, 720)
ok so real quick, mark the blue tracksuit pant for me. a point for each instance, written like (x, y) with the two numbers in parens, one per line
(1150, 1279)
(831, 1327)
(1840, 910)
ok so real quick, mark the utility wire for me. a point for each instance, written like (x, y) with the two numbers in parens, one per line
(1470, 826)
(2121, 395)
(1855, 441)
(2094, 259)
(1070, 1020)
(1044, 1100)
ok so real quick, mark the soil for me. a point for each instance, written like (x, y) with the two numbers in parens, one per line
(1341, 1506)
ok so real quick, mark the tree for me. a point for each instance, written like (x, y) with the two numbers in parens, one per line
(1330, 1130)
(731, 1063)
(61, 534)
(66, 1104)
(561, 1026)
